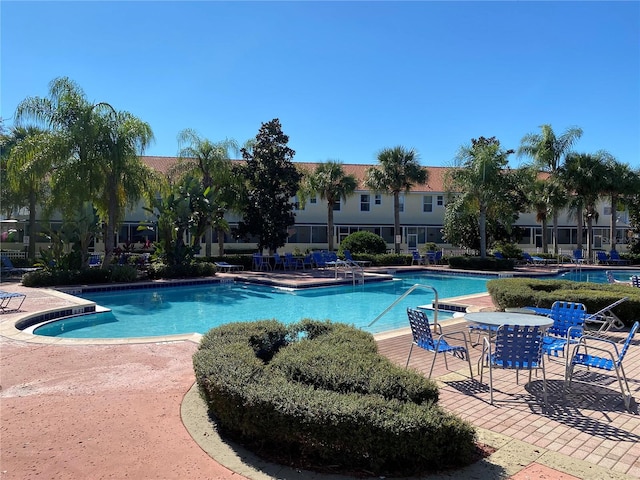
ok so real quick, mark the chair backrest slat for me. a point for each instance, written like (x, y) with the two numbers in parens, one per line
(567, 315)
(518, 346)
(420, 329)
(627, 342)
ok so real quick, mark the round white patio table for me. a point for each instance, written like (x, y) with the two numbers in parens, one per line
(495, 319)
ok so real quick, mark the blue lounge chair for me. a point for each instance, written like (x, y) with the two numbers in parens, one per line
(277, 262)
(290, 262)
(533, 259)
(608, 358)
(259, 263)
(318, 260)
(349, 258)
(635, 281)
(423, 338)
(95, 261)
(602, 258)
(614, 258)
(517, 348)
(416, 258)
(577, 256)
(7, 297)
(9, 269)
(228, 267)
(606, 318)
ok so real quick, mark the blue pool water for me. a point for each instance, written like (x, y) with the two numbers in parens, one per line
(597, 276)
(179, 310)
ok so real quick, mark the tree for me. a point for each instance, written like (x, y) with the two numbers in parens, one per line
(332, 184)
(271, 181)
(397, 172)
(584, 175)
(211, 162)
(121, 179)
(548, 151)
(483, 184)
(619, 184)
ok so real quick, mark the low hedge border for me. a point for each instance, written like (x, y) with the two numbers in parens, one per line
(320, 391)
(521, 292)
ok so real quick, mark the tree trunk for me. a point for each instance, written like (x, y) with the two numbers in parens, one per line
(614, 220)
(330, 225)
(555, 231)
(220, 242)
(207, 241)
(483, 231)
(580, 226)
(396, 220)
(110, 233)
(32, 226)
(545, 244)
(589, 237)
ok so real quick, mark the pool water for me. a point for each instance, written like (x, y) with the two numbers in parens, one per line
(196, 309)
(597, 276)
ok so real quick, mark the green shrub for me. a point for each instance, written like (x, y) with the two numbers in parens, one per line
(521, 292)
(508, 250)
(188, 270)
(363, 242)
(485, 264)
(123, 273)
(322, 389)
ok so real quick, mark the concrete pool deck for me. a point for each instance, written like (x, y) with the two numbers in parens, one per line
(126, 409)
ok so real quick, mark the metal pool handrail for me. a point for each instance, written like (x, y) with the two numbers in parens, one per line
(417, 285)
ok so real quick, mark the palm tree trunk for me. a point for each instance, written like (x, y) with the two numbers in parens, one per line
(32, 225)
(580, 226)
(396, 220)
(483, 231)
(555, 231)
(220, 242)
(207, 241)
(545, 244)
(589, 237)
(330, 225)
(614, 220)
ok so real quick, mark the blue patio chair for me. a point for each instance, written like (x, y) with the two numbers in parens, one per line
(290, 262)
(8, 268)
(349, 258)
(602, 258)
(614, 258)
(517, 348)
(318, 260)
(608, 358)
(635, 281)
(568, 326)
(577, 256)
(498, 255)
(277, 262)
(95, 261)
(228, 267)
(307, 261)
(259, 263)
(416, 258)
(423, 338)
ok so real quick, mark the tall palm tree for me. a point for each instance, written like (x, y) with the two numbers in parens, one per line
(28, 167)
(483, 181)
(210, 161)
(398, 171)
(332, 184)
(619, 183)
(121, 178)
(584, 175)
(548, 151)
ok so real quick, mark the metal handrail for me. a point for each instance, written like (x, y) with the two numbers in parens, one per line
(417, 285)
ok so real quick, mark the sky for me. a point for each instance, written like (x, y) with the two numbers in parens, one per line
(345, 79)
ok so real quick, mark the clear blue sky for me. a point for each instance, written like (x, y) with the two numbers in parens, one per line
(346, 79)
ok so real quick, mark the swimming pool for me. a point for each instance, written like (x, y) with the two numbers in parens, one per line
(180, 310)
(597, 276)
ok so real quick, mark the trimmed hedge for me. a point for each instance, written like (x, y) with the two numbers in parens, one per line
(486, 264)
(521, 292)
(321, 391)
(91, 276)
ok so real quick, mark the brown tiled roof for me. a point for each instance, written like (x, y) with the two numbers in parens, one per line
(434, 184)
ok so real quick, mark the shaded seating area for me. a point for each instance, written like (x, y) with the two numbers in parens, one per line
(423, 338)
(10, 301)
(603, 354)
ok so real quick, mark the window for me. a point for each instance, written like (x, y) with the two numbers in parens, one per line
(440, 200)
(427, 203)
(313, 200)
(401, 202)
(378, 199)
(365, 204)
(296, 204)
(336, 206)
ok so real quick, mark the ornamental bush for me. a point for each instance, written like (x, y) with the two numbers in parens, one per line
(363, 242)
(320, 391)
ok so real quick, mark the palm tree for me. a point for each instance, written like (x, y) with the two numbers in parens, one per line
(28, 166)
(398, 171)
(211, 162)
(332, 184)
(584, 175)
(548, 151)
(619, 183)
(121, 178)
(482, 181)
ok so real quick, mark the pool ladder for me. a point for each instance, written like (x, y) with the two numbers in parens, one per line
(401, 297)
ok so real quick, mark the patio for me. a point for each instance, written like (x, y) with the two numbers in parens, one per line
(71, 409)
